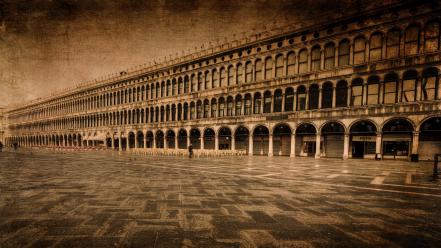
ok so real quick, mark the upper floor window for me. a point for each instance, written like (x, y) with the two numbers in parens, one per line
(239, 71)
(315, 58)
(258, 69)
(279, 65)
(393, 43)
(430, 85)
(303, 61)
(409, 86)
(357, 92)
(411, 38)
(230, 75)
(431, 37)
(248, 72)
(223, 77)
(329, 56)
(291, 63)
(373, 89)
(343, 53)
(193, 83)
(375, 46)
(215, 78)
(359, 50)
(207, 80)
(200, 79)
(268, 68)
(390, 88)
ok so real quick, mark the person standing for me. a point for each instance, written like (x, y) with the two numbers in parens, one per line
(190, 151)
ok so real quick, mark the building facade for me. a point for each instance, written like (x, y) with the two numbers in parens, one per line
(363, 86)
(2, 125)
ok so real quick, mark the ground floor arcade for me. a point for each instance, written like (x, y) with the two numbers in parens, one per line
(395, 138)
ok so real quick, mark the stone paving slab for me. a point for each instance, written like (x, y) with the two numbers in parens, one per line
(111, 199)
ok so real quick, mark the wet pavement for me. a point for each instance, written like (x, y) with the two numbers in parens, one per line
(111, 199)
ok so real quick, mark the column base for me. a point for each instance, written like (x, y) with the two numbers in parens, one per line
(270, 154)
(345, 157)
(292, 155)
(317, 156)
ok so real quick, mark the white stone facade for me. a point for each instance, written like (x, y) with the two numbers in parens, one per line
(365, 86)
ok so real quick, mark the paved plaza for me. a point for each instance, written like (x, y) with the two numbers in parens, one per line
(111, 199)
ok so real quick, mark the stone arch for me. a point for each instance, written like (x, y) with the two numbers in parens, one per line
(261, 140)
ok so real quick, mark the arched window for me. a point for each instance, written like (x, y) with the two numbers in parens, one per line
(327, 93)
(409, 86)
(303, 61)
(431, 37)
(230, 75)
(313, 96)
(315, 58)
(206, 108)
(257, 103)
(278, 101)
(179, 111)
(248, 72)
(343, 53)
(174, 87)
(213, 108)
(207, 80)
(186, 84)
(230, 106)
(373, 89)
(247, 102)
(357, 92)
(168, 88)
(289, 99)
(215, 79)
(279, 65)
(375, 46)
(301, 98)
(185, 111)
(411, 38)
(390, 88)
(223, 77)
(193, 83)
(192, 111)
(221, 107)
(329, 56)
(239, 74)
(200, 80)
(291, 63)
(180, 86)
(393, 43)
(258, 69)
(430, 85)
(359, 50)
(198, 109)
(267, 102)
(268, 68)
(238, 105)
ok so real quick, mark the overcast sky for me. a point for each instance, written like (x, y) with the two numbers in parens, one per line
(50, 45)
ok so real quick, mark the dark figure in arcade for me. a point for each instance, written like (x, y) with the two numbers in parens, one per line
(190, 151)
(15, 145)
(1, 146)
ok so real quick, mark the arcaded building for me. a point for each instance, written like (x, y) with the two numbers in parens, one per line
(363, 86)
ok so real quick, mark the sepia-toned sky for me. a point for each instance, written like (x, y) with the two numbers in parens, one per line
(48, 45)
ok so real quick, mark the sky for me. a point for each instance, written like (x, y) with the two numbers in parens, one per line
(49, 45)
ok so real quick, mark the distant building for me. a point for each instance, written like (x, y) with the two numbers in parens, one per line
(357, 87)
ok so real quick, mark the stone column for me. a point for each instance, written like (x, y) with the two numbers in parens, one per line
(233, 143)
(145, 140)
(165, 140)
(349, 96)
(320, 97)
(127, 142)
(113, 142)
(334, 96)
(270, 145)
(346, 146)
(317, 145)
(202, 142)
(154, 141)
(378, 144)
(136, 140)
(188, 139)
(176, 141)
(216, 141)
(250, 145)
(283, 101)
(415, 142)
(119, 142)
(293, 145)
